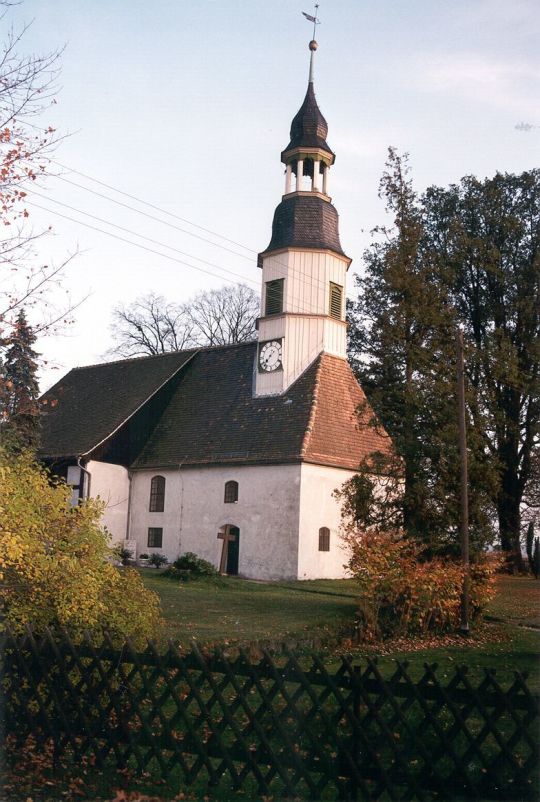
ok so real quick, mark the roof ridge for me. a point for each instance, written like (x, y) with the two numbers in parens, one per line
(311, 420)
(195, 349)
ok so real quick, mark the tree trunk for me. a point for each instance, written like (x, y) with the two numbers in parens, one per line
(509, 515)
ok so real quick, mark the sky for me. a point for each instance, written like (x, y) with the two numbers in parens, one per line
(187, 106)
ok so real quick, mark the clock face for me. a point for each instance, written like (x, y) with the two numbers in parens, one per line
(270, 356)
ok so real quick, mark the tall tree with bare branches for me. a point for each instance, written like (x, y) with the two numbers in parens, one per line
(152, 325)
(27, 88)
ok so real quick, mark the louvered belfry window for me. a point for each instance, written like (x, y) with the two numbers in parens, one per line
(324, 539)
(155, 537)
(157, 494)
(274, 297)
(336, 301)
(231, 492)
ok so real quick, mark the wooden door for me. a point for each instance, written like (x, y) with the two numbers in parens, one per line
(233, 551)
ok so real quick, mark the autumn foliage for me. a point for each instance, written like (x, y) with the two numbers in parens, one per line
(402, 595)
(55, 568)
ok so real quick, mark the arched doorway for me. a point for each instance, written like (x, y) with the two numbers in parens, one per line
(230, 552)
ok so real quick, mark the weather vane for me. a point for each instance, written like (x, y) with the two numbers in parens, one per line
(312, 19)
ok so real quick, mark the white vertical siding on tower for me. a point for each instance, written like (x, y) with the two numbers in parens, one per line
(307, 277)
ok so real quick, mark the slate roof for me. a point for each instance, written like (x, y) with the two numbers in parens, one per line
(89, 403)
(305, 221)
(309, 129)
(211, 416)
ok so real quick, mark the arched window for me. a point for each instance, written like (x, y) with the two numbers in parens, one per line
(324, 539)
(231, 492)
(157, 494)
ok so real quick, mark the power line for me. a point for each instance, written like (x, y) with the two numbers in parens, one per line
(153, 206)
(142, 236)
(152, 217)
(130, 242)
(291, 270)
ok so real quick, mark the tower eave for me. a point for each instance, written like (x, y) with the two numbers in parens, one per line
(276, 251)
(308, 152)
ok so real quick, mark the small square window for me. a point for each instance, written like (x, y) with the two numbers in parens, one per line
(155, 537)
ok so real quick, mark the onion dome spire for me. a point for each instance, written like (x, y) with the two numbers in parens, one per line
(306, 218)
(309, 129)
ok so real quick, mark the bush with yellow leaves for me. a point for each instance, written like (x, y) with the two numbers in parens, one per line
(55, 568)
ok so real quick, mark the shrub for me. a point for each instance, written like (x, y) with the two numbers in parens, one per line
(195, 565)
(124, 555)
(402, 595)
(55, 568)
(158, 560)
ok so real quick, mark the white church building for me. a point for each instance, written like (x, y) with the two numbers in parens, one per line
(234, 452)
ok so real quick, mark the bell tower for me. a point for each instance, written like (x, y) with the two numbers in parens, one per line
(304, 268)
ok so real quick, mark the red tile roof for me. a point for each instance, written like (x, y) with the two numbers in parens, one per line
(336, 434)
(209, 415)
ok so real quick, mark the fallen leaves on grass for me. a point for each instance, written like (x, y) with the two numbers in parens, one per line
(478, 637)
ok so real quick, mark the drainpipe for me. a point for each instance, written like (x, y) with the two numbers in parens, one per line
(181, 517)
(89, 477)
(128, 521)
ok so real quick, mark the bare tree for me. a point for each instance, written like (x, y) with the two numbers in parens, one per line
(152, 325)
(27, 89)
(225, 316)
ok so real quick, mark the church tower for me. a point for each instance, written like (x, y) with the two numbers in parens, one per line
(304, 268)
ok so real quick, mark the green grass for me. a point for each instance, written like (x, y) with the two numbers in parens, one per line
(507, 641)
(239, 610)
(231, 610)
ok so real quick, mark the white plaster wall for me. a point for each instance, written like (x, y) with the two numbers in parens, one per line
(111, 484)
(318, 508)
(266, 513)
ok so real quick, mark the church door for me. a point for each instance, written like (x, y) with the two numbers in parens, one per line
(233, 551)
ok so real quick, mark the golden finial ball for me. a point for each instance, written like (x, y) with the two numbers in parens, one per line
(313, 45)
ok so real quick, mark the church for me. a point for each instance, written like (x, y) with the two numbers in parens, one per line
(234, 452)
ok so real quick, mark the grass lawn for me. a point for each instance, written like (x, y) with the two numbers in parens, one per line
(237, 610)
(231, 609)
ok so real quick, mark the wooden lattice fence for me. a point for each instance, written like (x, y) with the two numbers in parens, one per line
(283, 727)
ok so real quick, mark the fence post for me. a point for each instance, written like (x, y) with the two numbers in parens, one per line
(351, 786)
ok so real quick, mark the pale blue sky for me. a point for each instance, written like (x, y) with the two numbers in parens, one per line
(188, 105)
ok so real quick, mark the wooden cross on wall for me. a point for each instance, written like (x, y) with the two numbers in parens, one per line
(227, 538)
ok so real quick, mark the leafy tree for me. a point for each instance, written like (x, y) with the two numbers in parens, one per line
(19, 406)
(152, 325)
(401, 344)
(55, 568)
(486, 235)
(467, 255)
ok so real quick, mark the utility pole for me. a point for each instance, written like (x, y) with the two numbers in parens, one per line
(464, 506)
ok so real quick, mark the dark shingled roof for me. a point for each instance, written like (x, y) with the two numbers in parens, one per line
(309, 128)
(89, 403)
(211, 416)
(305, 221)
